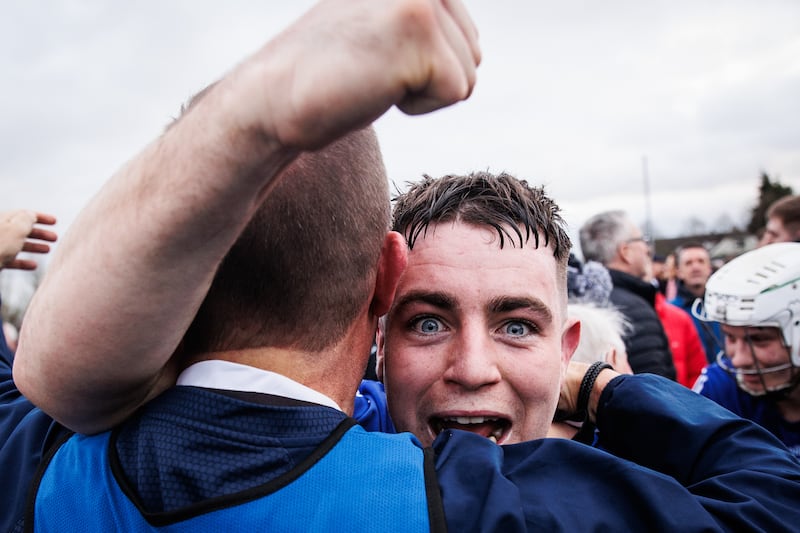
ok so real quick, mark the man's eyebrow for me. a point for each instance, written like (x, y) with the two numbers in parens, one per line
(758, 330)
(505, 304)
(434, 298)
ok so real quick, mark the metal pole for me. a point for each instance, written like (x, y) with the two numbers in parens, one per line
(647, 210)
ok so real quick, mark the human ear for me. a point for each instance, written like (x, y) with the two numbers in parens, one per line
(391, 264)
(570, 337)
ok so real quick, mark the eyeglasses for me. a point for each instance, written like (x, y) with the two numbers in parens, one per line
(642, 238)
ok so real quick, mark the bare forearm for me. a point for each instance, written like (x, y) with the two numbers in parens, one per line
(125, 284)
(134, 268)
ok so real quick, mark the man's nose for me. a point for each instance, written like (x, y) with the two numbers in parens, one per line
(738, 351)
(473, 362)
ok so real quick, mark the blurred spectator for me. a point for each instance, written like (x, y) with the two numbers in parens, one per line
(664, 273)
(601, 340)
(693, 265)
(612, 239)
(688, 354)
(602, 325)
(588, 283)
(602, 329)
(783, 221)
(19, 233)
(684, 342)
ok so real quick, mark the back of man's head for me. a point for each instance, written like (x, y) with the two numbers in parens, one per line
(305, 265)
(516, 211)
(602, 233)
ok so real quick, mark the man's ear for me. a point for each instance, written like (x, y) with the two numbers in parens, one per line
(570, 338)
(623, 252)
(391, 264)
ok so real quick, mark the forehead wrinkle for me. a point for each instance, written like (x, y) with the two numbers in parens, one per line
(505, 304)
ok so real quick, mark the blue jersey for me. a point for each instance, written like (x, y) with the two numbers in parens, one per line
(370, 407)
(721, 387)
(26, 433)
(80, 476)
(676, 462)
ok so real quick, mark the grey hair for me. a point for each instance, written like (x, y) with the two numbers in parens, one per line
(602, 328)
(601, 234)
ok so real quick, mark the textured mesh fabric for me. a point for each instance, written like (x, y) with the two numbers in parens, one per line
(352, 481)
(193, 444)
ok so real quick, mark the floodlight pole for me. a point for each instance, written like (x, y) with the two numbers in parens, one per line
(647, 211)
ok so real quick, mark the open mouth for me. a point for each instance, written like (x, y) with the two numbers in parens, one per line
(493, 428)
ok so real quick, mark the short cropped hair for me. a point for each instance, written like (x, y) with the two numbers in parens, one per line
(305, 265)
(517, 211)
(688, 246)
(601, 234)
(787, 209)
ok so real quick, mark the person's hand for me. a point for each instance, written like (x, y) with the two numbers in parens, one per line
(19, 233)
(346, 62)
(570, 389)
(570, 386)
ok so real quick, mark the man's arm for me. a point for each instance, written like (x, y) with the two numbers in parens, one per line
(690, 466)
(738, 470)
(137, 263)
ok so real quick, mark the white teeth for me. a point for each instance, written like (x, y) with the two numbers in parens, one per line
(492, 438)
(471, 419)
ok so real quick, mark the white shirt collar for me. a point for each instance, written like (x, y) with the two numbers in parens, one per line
(225, 375)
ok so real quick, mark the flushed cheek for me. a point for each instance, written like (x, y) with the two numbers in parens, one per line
(408, 387)
(539, 401)
(413, 373)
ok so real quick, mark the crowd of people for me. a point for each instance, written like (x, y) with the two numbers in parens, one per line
(193, 359)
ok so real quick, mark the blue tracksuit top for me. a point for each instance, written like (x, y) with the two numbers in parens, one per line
(718, 385)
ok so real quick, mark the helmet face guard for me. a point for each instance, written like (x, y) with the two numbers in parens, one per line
(759, 288)
(743, 376)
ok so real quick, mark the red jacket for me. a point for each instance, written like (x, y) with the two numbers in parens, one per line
(688, 353)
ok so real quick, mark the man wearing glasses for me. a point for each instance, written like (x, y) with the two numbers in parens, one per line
(613, 239)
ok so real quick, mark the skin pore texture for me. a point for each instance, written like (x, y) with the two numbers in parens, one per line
(477, 337)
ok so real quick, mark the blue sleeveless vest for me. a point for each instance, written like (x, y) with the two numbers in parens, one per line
(365, 482)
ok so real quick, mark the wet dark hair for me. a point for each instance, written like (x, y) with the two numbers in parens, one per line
(516, 211)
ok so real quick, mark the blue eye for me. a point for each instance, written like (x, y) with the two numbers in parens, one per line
(427, 325)
(517, 329)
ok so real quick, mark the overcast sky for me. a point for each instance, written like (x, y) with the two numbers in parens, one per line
(571, 95)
